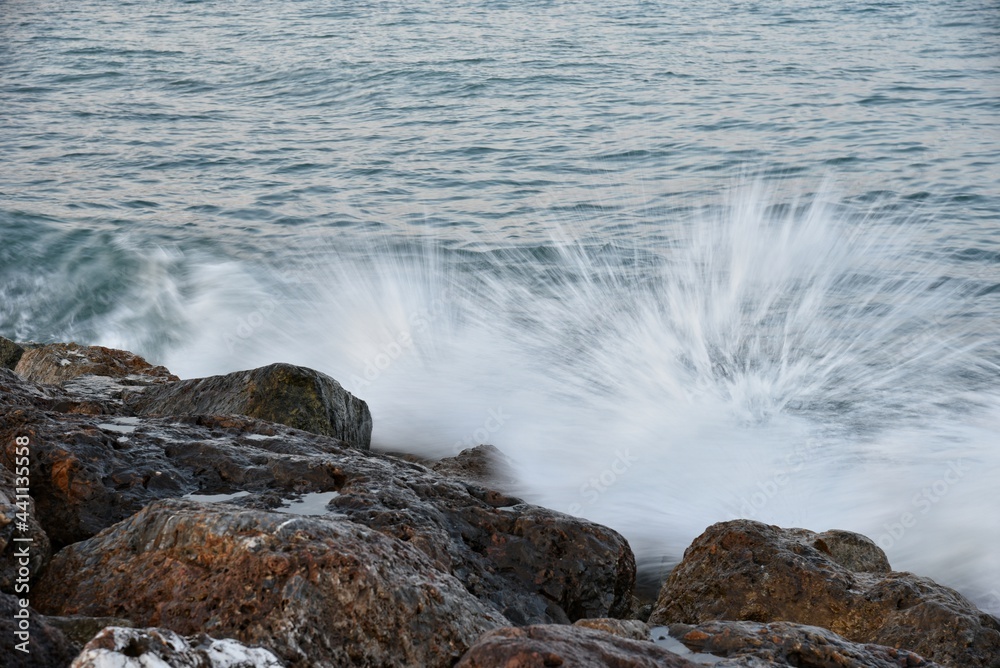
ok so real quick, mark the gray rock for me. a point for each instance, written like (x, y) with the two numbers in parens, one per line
(283, 393)
(20, 561)
(116, 647)
(632, 629)
(483, 464)
(10, 353)
(47, 646)
(317, 591)
(81, 630)
(570, 646)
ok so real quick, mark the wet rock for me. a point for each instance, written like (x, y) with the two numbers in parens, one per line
(47, 646)
(86, 473)
(317, 591)
(570, 646)
(138, 648)
(283, 393)
(632, 629)
(10, 353)
(744, 570)
(483, 464)
(58, 362)
(785, 644)
(530, 564)
(24, 546)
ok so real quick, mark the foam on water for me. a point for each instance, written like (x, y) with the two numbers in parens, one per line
(792, 364)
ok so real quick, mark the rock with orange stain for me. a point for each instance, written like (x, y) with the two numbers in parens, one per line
(314, 590)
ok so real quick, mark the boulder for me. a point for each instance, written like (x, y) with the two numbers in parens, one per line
(58, 362)
(283, 393)
(748, 571)
(633, 629)
(47, 646)
(116, 647)
(318, 591)
(785, 644)
(10, 353)
(530, 564)
(558, 645)
(483, 464)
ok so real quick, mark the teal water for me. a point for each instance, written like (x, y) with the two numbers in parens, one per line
(682, 261)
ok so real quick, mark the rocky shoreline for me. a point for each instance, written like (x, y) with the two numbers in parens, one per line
(242, 520)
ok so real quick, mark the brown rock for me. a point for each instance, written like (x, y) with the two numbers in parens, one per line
(58, 362)
(632, 629)
(47, 646)
(531, 564)
(282, 393)
(748, 571)
(316, 591)
(160, 647)
(785, 644)
(569, 646)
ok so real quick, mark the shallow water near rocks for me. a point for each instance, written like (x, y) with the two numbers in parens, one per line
(596, 236)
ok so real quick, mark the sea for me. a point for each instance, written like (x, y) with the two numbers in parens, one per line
(682, 262)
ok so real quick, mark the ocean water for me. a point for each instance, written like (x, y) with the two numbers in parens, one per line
(682, 262)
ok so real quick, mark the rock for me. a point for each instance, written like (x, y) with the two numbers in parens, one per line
(58, 362)
(283, 393)
(81, 630)
(138, 648)
(317, 591)
(20, 560)
(530, 564)
(47, 646)
(483, 464)
(632, 629)
(785, 644)
(570, 646)
(748, 571)
(10, 353)
(852, 551)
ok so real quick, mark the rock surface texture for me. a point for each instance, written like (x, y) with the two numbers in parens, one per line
(318, 591)
(748, 571)
(531, 564)
(10, 353)
(48, 647)
(58, 362)
(282, 393)
(116, 647)
(570, 646)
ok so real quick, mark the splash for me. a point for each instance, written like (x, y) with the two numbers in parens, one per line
(794, 363)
